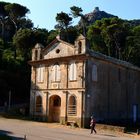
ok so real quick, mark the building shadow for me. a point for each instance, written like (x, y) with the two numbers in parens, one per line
(109, 135)
(4, 133)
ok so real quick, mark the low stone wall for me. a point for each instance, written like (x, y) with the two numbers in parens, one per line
(76, 121)
(110, 128)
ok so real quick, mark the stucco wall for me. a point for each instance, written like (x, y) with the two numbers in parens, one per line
(48, 88)
(111, 98)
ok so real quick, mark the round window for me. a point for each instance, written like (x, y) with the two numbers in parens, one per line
(57, 51)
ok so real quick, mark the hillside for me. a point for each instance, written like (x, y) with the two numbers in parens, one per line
(96, 14)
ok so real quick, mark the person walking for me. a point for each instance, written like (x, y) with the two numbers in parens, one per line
(92, 125)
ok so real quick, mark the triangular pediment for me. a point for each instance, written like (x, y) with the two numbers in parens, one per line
(58, 48)
(80, 37)
(38, 45)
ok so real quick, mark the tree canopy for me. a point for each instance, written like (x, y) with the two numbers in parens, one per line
(114, 37)
(63, 19)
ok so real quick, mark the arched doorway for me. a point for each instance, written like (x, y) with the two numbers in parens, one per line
(54, 108)
(38, 107)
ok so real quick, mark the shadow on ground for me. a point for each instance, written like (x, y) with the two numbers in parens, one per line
(108, 135)
(133, 130)
(6, 135)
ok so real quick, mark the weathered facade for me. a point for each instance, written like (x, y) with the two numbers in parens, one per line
(71, 83)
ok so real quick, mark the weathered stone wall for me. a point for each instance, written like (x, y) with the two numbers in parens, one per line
(65, 86)
(109, 97)
(112, 96)
(64, 82)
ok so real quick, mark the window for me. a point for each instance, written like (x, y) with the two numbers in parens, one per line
(36, 54)
(40, 73)
(119, 75)
(135, 113)
(72, 71)
(94, 73)
(41, 56)
(72, 109)
(56, 73)
(38, 104)
(79, 47)
(57, 51)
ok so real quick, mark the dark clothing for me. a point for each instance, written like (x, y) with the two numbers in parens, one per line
(92, 125)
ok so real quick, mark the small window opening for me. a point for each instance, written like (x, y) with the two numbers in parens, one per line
(38, 104)
(79, 47)
(72, 109)
(57, 51)
(41, 56)
(36, 54)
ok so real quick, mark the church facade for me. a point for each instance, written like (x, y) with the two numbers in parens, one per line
(69, 83)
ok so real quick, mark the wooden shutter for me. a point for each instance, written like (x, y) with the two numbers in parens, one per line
(41, 74)
(58, 73)
(71, 72)
(74, 71)
(94, 73)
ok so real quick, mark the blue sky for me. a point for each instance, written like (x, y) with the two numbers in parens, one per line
(43, 12)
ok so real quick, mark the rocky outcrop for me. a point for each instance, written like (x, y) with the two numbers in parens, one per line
(96, 15)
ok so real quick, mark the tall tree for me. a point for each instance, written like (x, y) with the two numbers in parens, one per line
(111, 34)
(133, 46)
(77, 12)
(3, 15)
(64, 20)
(24, 40)
(41, 36)
(15, 13)
(52, 35)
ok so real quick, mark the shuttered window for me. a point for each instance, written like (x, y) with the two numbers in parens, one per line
(40, 73)
(56, 73)
(38, 104)
(36, 54)
(72, 71)
(94, 73)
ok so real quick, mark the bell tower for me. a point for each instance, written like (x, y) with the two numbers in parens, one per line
(81, 45)
(37, 52)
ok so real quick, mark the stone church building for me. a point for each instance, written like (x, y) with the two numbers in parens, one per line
(69, 83)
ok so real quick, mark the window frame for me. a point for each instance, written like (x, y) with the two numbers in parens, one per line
(40, 74)
(38, 106)
(72, 106)
(36, 55)
(94, 73)
(72, 71)
(56, 73)
(79, 47)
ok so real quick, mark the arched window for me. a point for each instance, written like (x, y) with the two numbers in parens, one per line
(36, 54)
(72, 108)
(40, 73)
(56, 73)
(72, 71)
(94, 73)
(41, 56)
(79, 47)
(38, 104)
